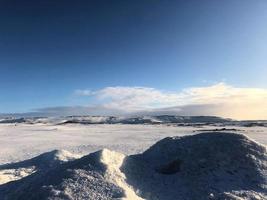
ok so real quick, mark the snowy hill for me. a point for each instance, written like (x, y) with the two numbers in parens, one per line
(161, 119)
(203, 166)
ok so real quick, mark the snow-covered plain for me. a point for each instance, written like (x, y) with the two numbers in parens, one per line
(112, 174)
(23, 141)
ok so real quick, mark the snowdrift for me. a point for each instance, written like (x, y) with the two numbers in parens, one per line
(15, 171)
(203, 166)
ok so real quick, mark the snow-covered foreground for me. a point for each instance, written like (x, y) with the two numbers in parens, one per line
(23, 141)
(201, 166)
(204, 166)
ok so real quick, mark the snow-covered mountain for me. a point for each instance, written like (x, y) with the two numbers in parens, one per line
(160, 119)
(118, 120)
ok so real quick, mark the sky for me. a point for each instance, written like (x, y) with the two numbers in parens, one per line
(117, 57)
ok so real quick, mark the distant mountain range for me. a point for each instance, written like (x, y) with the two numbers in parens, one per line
(160, 119)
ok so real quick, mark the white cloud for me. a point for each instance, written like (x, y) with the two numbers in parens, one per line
(218, 99)
(136, 98)
(83, 92)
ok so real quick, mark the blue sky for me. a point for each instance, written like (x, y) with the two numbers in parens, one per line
(51, 49)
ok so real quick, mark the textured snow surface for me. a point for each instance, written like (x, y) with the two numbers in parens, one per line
(15, 171)
(203, 166)
(23, 141)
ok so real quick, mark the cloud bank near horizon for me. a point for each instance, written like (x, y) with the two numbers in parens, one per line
(219, 99)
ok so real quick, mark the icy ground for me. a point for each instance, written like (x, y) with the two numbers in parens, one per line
(23, 141)
(213, 165)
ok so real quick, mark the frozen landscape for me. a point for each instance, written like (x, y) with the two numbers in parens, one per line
(133, 100)
(100, 158)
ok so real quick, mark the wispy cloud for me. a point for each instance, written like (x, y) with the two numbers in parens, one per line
(137, 98)
(218, 99)
(77, 110)
(83, 92)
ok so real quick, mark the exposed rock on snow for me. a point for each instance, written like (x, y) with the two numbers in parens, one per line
(204, 166)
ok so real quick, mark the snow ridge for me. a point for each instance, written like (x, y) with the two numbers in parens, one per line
(114, 161)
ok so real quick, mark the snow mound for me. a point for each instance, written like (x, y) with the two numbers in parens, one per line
(15, 171)
(95, 176)
(204, 166)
